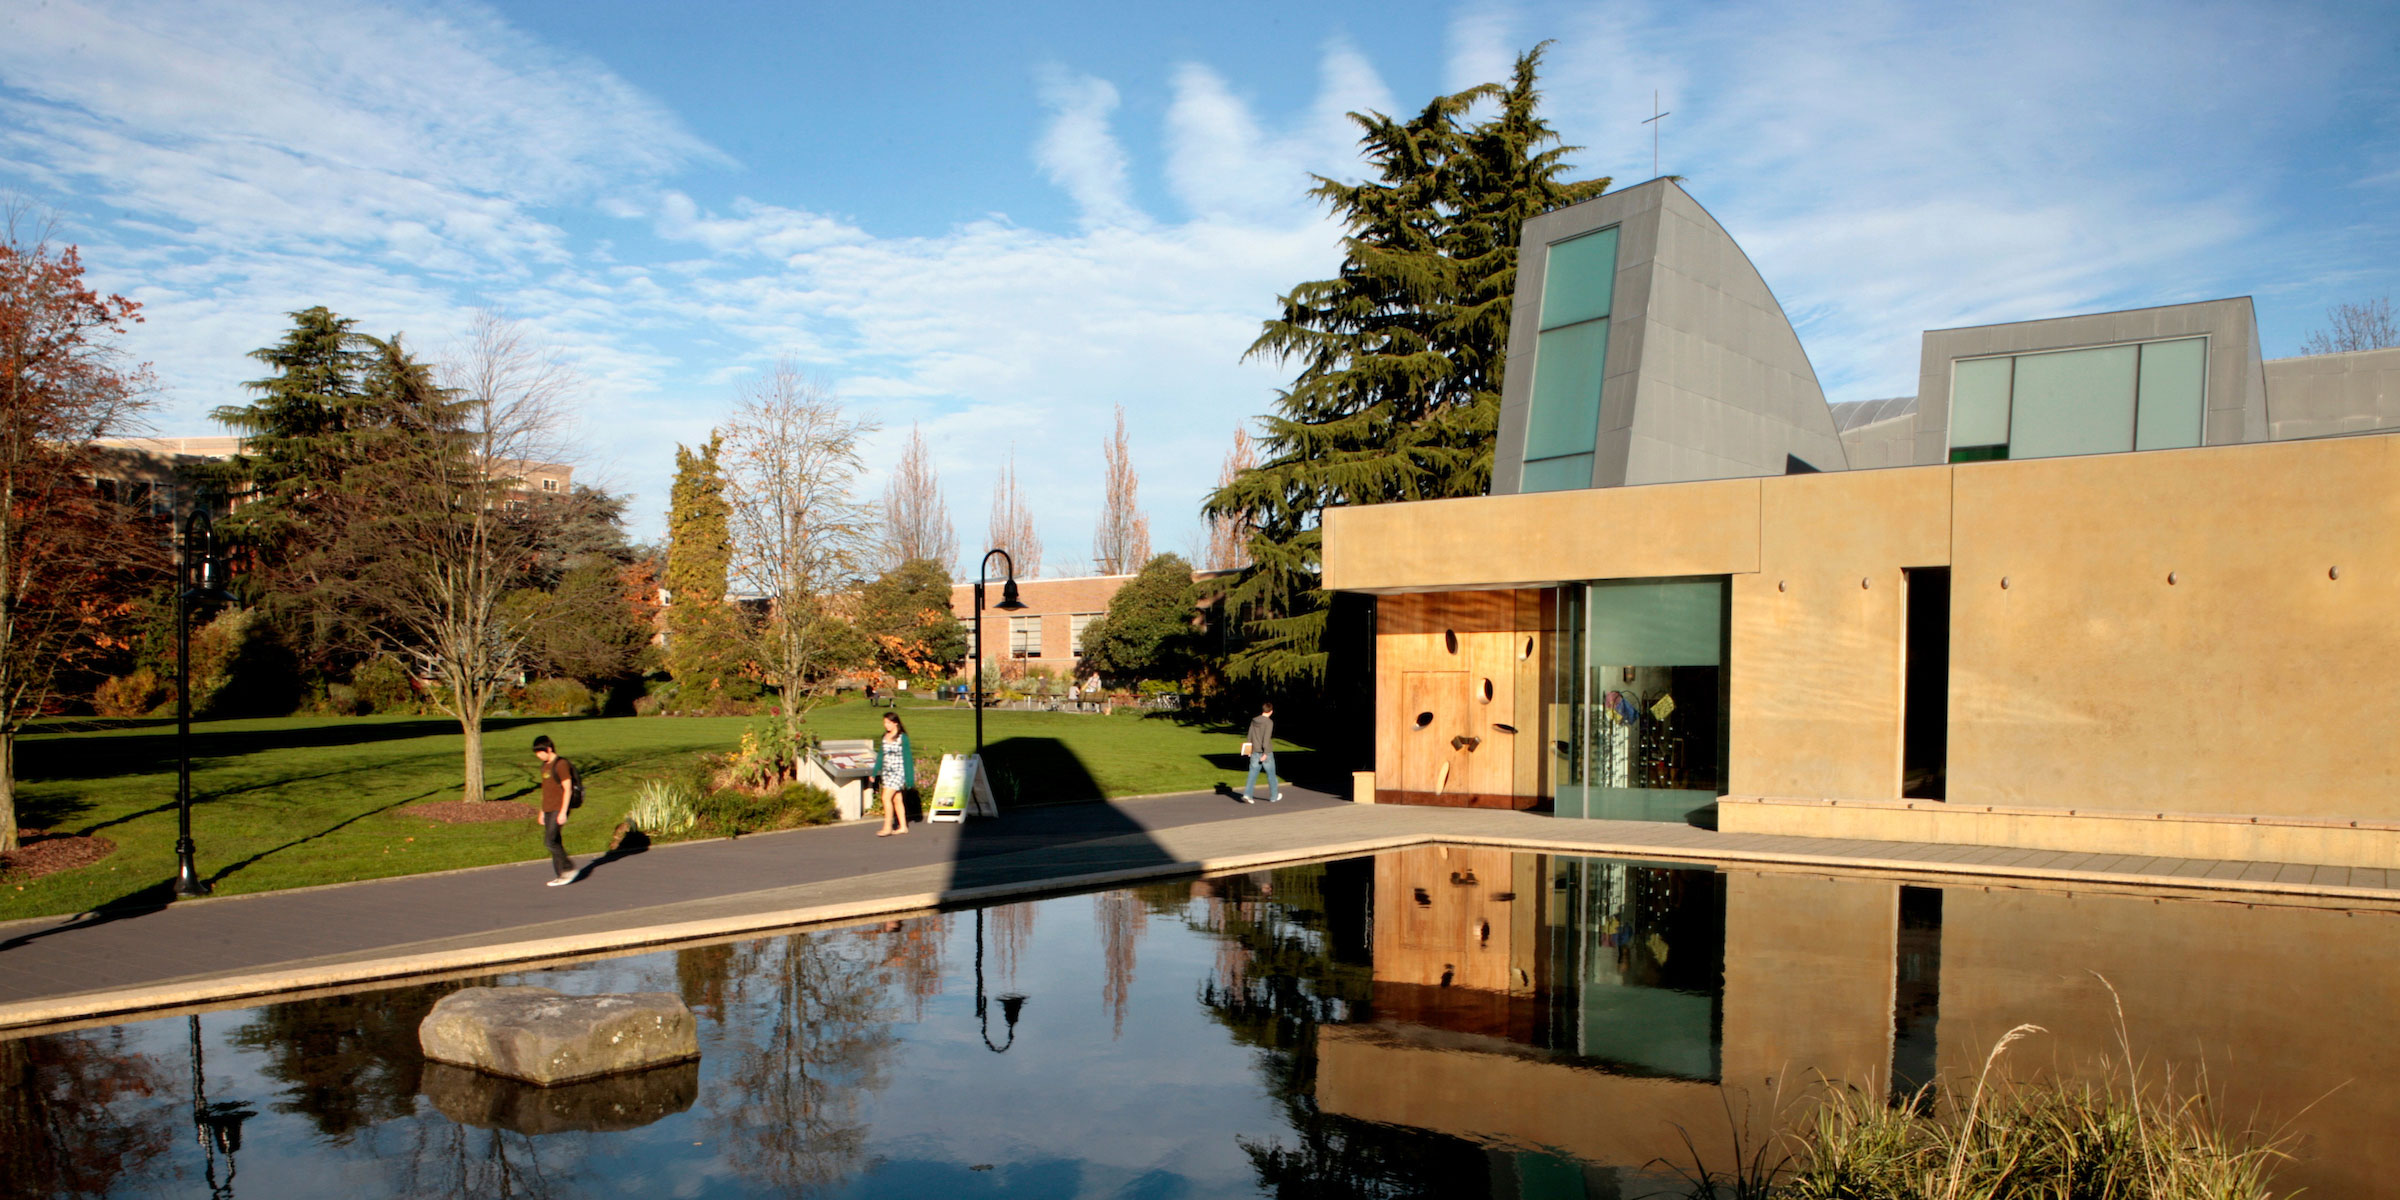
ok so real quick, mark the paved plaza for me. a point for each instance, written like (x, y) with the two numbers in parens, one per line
(206, 953)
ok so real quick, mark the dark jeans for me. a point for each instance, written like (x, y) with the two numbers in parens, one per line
(552, 835)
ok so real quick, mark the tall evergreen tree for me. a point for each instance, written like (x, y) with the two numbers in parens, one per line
(701, 634)
(1400, 354)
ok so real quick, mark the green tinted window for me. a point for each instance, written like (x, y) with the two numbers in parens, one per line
(1679, 623)
(1979, 401)
(2073, 402)
(1558, 474)
(1564, 417)
(1578, 278)
(2173, 391)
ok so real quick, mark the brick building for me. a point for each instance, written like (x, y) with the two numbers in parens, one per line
(1048, 632)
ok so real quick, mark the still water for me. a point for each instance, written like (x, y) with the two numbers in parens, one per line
(1435, 1022)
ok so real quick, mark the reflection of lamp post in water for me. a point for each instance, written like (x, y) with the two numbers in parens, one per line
(1008, 603)
(217, 1124)
(1012, 1004)
(198, 580)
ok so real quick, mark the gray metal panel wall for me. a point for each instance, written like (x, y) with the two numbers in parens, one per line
(1705, 378)
(2237, 394)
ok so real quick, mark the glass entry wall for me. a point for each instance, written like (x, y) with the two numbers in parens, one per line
(1641, 697)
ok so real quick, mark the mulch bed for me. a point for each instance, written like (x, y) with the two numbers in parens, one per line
(39, 853)
(470, 812)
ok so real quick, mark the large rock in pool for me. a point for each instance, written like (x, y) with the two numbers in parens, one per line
(545, 1037)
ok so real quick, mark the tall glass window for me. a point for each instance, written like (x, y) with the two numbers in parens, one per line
(2107, 399)
(1562, 422)
(1641, 699)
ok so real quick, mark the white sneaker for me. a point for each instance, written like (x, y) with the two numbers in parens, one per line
(1277, 798)
(563, 880)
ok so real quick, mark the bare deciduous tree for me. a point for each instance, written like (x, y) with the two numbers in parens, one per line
(1122, 542)
(1229, 533)
(799, 539)
(1012, 523)
(451, 529)
(2366, 325)
(916, 522)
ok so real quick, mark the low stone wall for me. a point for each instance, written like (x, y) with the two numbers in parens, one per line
(2229, 836)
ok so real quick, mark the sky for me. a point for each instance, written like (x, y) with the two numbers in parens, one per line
(997, 223)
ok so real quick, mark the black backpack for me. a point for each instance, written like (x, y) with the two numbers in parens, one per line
(574, 787)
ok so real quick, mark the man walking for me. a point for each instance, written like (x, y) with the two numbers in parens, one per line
(1262, 750)
(558, 792)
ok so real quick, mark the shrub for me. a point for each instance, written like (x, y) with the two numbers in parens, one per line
(336, 700)
(130, 695)
(664, 808)
(383, 685)
(558, 698)
(647, 706)
(239, 670)
(732, 812)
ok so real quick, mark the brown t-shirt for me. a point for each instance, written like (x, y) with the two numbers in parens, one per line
(557, 776)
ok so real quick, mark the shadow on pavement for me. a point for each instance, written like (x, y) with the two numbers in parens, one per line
(1047, 799)
(140, 902)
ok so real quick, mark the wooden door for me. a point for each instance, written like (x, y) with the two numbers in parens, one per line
(1433, 713)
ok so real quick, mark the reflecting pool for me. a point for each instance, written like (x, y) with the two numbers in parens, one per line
(1442, 1021)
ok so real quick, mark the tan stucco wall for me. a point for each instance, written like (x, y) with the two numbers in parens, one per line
(2254, 684)
(1818, 658)
(1708, 528)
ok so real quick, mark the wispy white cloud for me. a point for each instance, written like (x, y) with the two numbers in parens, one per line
(1080, 152)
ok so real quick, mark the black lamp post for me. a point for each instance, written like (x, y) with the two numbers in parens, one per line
(1008, 603)
(197, 581)
(1012, 1004)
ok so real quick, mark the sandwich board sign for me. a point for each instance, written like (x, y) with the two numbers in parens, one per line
(961, 790)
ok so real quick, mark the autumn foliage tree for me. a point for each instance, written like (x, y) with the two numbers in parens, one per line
(68, 556)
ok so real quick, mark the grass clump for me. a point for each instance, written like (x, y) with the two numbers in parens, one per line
(663, 808)
(2048, 1139)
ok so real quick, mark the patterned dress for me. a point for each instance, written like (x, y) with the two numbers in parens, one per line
(894, 766)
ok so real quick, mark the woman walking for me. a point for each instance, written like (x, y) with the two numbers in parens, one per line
(896, 773)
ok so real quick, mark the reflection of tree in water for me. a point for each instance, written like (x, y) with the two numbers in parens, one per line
(82, 1115)
(790, 1108)
(449, 1160)
(1296, 954)
(348, 1063)
(1122, 920)
(1012, 929)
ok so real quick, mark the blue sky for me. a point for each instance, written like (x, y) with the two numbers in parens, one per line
(999, 222)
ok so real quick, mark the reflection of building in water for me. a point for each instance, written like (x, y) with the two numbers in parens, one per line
(1599, 1010)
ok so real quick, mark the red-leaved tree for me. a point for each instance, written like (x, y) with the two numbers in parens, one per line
(66, 555)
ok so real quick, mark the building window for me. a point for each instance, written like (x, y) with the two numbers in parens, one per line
(2102, 400)
(1025, 637)
(1082, 621)
(1562, 422)
(549, 485)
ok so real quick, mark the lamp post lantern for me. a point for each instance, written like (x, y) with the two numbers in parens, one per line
(1008, 603)
(1012, 1004)
(197, 581)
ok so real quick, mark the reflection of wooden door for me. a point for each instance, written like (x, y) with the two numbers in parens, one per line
(1434, 712)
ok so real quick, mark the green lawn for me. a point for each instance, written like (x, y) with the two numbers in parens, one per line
(306, 800)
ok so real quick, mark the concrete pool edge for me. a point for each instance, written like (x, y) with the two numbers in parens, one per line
(506, 948)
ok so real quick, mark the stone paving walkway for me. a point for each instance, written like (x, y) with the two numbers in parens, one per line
(212, 951)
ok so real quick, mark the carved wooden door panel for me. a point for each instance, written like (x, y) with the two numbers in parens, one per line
(1435, 713)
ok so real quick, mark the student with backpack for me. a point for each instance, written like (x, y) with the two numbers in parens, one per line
(562, 791)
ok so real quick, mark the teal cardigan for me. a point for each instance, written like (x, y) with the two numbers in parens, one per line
(908, 766)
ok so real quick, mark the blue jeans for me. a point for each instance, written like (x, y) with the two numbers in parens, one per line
(1274, 785)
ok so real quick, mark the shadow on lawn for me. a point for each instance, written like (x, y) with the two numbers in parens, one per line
(65, 757)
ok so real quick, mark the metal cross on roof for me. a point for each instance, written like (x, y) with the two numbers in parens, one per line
(1655, 117)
